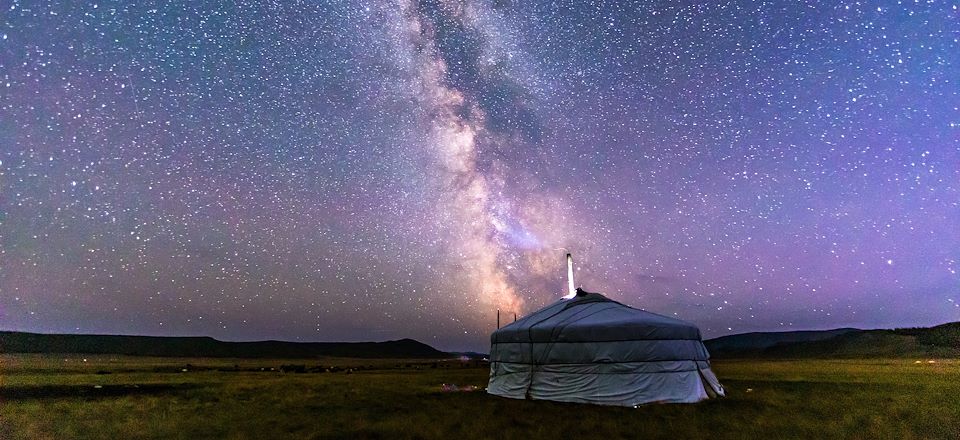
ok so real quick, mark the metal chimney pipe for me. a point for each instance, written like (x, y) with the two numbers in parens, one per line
(571, 290)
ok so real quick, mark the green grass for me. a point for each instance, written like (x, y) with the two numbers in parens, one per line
(46, 397)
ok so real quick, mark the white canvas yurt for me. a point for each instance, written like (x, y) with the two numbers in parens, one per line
(588, 348)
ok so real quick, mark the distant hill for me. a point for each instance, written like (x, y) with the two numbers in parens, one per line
(750, 344)
(19, 342)
(940, 341)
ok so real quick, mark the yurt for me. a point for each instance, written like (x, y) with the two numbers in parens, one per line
(587, 348)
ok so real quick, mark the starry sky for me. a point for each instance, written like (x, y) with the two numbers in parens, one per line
(351, 170)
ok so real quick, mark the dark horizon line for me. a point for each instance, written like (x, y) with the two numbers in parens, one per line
(6, 330)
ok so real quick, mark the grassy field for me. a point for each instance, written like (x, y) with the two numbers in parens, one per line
(58, 397)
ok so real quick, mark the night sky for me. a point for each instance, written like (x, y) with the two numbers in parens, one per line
(345, 170)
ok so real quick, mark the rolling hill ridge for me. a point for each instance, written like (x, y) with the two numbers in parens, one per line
(939, 341)
(21, 342)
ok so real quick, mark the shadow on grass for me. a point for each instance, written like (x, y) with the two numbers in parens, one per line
(90, 391)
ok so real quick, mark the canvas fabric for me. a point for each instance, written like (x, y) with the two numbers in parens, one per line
(591, 349)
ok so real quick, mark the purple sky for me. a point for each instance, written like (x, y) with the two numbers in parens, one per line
(346, 170)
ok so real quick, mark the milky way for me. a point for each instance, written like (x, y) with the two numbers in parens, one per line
(347, 170)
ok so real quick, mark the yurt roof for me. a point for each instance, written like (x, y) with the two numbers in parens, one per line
(592, 317)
